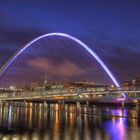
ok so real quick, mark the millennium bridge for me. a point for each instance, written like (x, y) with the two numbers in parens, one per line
(71, 95)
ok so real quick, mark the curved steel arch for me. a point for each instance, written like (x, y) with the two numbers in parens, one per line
(90, 51)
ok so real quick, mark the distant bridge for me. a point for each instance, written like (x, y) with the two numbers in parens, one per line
(67, 94)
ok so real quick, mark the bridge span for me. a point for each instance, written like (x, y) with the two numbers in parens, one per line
(110, 97)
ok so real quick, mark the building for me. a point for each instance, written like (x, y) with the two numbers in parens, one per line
(137, 82)
(34, 85)
(127, 85)
(133, 84)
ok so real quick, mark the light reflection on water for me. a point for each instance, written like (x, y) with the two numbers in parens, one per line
(63, 122)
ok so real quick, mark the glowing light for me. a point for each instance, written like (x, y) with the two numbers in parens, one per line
(10, 117)
(90, 51)
(12, 88)
(112, 86)
(120, 99)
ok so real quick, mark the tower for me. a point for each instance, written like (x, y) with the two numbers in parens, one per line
(45, 81)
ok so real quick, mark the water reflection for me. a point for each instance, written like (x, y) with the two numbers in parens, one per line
(34, 121)
(9, 117)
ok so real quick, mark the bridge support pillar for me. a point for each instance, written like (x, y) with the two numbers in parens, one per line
(61, 104)
(87, 103)
(48, 106)
(122, 104)
(78, 107)
(12, 103)
(24, 101)
(32, 106)
(44, 103)
(44, 106)
(137, 106)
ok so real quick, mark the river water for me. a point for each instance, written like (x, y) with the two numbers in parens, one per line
(68, 122)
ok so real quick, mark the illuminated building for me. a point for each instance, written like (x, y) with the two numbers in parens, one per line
(33, 85)
(133, 84)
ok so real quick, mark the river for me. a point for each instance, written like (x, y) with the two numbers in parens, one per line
(36, 121)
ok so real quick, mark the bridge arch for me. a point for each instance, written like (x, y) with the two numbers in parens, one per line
(82, 44)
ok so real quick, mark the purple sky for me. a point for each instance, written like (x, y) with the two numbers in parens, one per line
(110, 28)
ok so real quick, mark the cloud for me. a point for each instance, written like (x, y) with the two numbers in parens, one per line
(67, 68)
